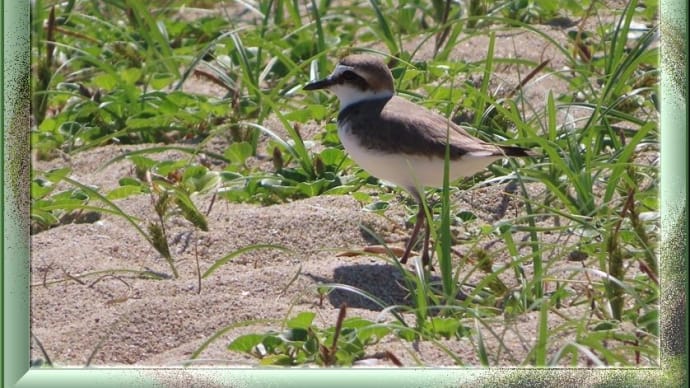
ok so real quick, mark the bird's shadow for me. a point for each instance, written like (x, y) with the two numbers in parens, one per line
(384, 282)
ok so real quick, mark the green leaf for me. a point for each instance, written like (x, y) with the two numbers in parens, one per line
(124, 192)
(167, 166)
(40, 188)
(385, 29)
(447, 327)
(314, 112)
(190, 212)
(131, 75)
(43, 217)
(239, 152)
(377, 207)
(277, 186)
(361, 196)
(161, 80)
(277, 359)
(466, 216)
(303, 320)
(311, 189)
(145, 121)
(56, 175)
(203, 183)
(366, 331)
(650, 321)
(332, 157)
(105, 81)
(481, 347)
(295, 335)
(70, 128)
(273, 343)
(246, 343)
(340, 190)
(142, 162)
(299, 115)
(129, 181)
(407, 334)
(294, 174)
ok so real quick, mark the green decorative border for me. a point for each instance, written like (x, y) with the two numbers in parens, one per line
(15, 248)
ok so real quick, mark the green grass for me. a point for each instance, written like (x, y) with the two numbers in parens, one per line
(113, 72)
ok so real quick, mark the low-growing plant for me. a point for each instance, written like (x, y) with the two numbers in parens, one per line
(302, 342)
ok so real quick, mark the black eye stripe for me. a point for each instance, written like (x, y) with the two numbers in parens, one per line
(354, 79)
(350, 76)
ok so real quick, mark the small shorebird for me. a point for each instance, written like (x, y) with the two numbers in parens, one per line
(399, 141)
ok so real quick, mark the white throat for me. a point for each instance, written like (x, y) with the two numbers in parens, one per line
(348, 94)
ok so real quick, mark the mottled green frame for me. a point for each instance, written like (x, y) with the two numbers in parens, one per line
(15, 249)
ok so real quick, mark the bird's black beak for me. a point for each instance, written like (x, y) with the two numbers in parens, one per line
(321, 84)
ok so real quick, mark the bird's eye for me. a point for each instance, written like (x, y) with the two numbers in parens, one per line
(350, 76)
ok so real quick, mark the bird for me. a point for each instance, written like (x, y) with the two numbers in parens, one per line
(399, 141)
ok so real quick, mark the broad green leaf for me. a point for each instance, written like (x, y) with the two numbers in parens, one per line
(161, 80)
(332, 157)
(106, 81)
(303, 320)
(239, 152)
(377, 207)
(339, 190)
(40, 188)
(44, 217)
(277, 359)
(189, 211)
(297, 334)
(131, 75)
(168, 166)
(124, 192)
(129, 181)
(203, 183)
(246, 343)
(311, 189)
(142, 162)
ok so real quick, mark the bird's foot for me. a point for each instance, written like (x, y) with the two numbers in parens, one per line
(426, 260)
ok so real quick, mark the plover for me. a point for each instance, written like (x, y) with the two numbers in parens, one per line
(399, 141)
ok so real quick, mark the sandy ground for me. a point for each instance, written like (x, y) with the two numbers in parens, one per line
(130, 320)
(122, 319)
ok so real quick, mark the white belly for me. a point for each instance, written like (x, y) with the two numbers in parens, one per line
(410, 171)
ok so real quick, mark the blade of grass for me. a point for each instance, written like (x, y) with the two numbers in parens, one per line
(445, 262)
(199, 58)
(153, 35)
(223, 260)
(542, 334)
(483, 356)
(320, 39)
(480, 105)
(388, 37)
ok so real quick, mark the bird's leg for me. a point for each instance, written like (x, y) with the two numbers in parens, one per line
(415, 232)
(426, 260)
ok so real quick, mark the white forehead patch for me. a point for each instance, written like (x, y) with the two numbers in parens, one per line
(340, 69)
